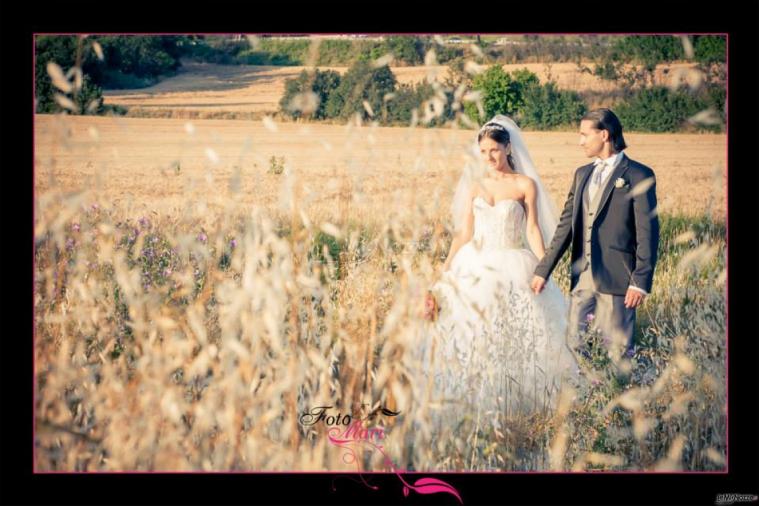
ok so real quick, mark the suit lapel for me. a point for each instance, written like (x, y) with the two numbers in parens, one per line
(618, 171)
(583, 179)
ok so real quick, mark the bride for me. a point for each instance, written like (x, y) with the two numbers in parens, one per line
(496, 347)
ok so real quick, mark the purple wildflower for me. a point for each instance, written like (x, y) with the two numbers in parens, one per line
(590, 317)
(233, 243)
(144, 222)
(202, 237)
(69, 243)
(75, 227)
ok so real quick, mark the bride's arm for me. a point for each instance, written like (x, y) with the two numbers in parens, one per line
(534, 235)
(464, 235)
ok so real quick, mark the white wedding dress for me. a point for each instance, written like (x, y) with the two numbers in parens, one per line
(496, 347)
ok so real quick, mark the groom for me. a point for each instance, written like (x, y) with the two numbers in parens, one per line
(610, 222)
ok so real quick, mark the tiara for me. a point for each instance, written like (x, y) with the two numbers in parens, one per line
(494, 126)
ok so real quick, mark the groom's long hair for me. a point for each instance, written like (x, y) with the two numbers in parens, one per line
(605, 119)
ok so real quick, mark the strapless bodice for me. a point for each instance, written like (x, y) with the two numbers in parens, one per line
(500, 226)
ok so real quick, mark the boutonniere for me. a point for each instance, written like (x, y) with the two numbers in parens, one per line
(620, 183)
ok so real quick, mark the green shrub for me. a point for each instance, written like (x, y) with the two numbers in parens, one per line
(215, 49)
(606, 70)
(337, 52)
(361, 82)
(446, 54)
(252, 57)
(407, 98)
(276, 165)
(545, 107)
(659, 109)
(643, 51)
(60, 50)
(114, 79)
(406, 49)
(334, 247)
(287, 52)
(128, 62)
(710, 49)
(142, 56)
(323, 83)
(648, 50)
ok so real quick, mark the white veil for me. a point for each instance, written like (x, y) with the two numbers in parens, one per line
(547, 215)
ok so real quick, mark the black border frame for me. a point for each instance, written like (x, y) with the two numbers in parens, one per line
(18, 485)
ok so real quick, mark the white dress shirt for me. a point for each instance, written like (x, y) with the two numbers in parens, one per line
(595, 185)
(610, 163)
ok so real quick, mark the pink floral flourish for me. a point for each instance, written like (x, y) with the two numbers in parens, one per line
(420, 486)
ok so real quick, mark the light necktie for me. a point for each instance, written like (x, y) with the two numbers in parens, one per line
(596, 181)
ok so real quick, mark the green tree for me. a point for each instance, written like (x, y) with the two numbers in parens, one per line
(362, 82)
(62, 50)
(407, 98)
(323, 83)
(57, 49)
(502, 92)
(130, 60)
(142, 56)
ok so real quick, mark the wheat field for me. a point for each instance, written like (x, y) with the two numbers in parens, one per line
(207, 88)
(160, 165)
(199, 285)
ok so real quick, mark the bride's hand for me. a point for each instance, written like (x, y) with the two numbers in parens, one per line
(430, 307)
(537, 284)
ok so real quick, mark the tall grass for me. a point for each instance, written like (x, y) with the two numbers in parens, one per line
(195, 342)
(195, 339)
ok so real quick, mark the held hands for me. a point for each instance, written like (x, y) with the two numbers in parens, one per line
(633, 298)
(430, 307)
(537, 284)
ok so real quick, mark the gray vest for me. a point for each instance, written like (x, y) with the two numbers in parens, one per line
(589, 209)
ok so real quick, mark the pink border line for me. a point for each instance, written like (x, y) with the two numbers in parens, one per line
(727, 233)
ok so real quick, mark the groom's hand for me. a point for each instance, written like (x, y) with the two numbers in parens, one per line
(537, 284)
(633, 298)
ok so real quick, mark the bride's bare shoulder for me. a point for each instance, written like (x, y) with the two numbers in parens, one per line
(525, 182)
(524, 179)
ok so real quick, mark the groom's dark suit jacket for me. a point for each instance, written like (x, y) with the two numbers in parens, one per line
(624, 237)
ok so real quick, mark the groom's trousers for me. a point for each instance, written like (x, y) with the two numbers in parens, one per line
(589, 309)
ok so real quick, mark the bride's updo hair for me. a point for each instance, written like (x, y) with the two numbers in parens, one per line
(499, 134)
